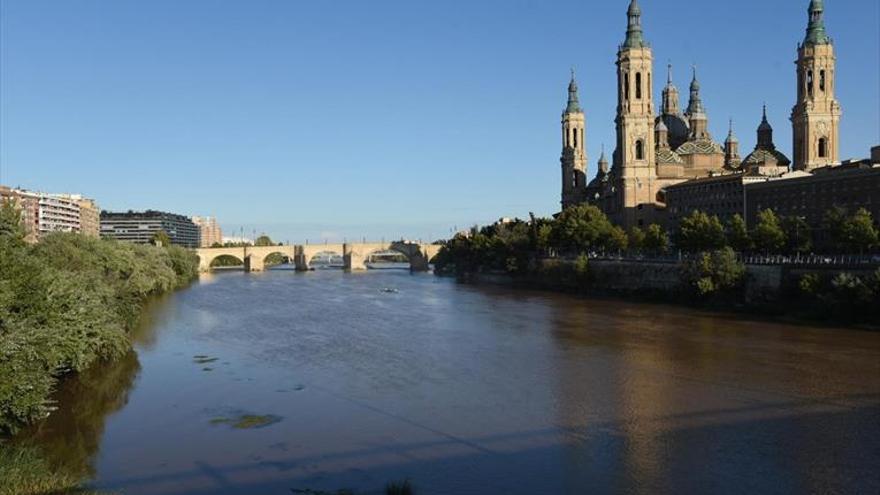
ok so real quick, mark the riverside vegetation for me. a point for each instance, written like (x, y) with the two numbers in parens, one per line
(556, 253)
(66, 305)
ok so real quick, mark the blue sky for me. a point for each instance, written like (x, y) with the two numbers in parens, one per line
(309, 119)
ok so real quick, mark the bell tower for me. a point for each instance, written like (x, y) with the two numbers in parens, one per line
(574, 156)
(634, 158)
(816, 115)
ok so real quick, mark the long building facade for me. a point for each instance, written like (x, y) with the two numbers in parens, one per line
(658, 149)
(45, 213)
(142, 227)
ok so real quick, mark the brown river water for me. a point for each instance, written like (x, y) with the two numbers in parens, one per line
(466, 390)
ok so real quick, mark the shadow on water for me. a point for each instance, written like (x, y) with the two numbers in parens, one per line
(737, 451)
(69, 440)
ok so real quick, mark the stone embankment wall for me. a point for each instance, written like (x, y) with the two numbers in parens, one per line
(764, 283)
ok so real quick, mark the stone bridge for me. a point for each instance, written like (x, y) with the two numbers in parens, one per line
(354, 255)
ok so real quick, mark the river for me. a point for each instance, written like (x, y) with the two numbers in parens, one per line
(280, 381)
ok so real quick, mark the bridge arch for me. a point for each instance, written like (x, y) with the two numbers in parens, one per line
(227, 261)
(276, 258)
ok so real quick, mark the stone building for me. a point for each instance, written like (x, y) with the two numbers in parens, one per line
(574, 155)
(811, 195)
(723, 196)
(656, 152)
(209, 231)
(815, 117)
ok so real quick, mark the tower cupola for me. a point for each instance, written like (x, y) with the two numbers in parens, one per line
(696, 113)
(574, 106)
(634, 36)
(816, 34)
(670, 95)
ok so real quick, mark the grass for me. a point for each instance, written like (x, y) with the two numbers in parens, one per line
(24, 471)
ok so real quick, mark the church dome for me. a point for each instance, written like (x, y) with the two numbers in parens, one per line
(700, 147)
(765, 157)
(666, 156)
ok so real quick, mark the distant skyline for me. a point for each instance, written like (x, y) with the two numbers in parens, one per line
(310, 120)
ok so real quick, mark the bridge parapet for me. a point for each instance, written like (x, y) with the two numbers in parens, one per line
(354, 254)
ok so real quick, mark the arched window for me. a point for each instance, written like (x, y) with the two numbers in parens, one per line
(626, 85)
(574, 179)
(638, 85)
(810, 83)
(823, 148)
(640, 152)
(822, 81)
(575, 133)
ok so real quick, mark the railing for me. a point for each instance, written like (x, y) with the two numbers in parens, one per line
(850, 260)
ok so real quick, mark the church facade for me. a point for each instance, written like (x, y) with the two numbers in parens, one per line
(659, 149)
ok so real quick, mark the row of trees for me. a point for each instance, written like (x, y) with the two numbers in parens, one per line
(843, 233)
(586, 229)
(66, 304)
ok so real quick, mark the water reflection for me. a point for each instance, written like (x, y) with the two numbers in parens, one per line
(70, 438)
(470, 390)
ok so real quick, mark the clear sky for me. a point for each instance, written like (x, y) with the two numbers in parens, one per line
(307, 119)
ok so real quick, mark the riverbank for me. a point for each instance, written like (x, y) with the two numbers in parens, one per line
(66, 305)
(807, 295)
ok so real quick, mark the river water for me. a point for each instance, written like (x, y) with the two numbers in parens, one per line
(466, 390)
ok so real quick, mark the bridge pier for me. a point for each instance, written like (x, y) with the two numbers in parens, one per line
(254, 263)
(354, 259)
(418, 262)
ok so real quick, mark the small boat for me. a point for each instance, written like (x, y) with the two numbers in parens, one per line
(390, 290)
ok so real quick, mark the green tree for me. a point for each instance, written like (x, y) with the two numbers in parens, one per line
(161, 238)
(614, 239)
(832, 224)
(738, 235)
(656, 239)
(714, 272)
(11, 226)
(263, 240)
(700, 232)
(637, 239)
(768, 234)
(582, 227)
(858, 232)
(797, 234)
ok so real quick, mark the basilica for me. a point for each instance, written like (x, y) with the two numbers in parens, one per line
(655, 151)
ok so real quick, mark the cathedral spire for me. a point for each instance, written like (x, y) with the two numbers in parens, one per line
(670, 95)
(765, 133)
(732, 159)
(603, 162)
(634, 38)
(695, 106)
(731, 138)
(574, 105)
(816, 34)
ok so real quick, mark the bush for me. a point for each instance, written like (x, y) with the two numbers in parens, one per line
(66, 304)
(844, 297)
(713, 273)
